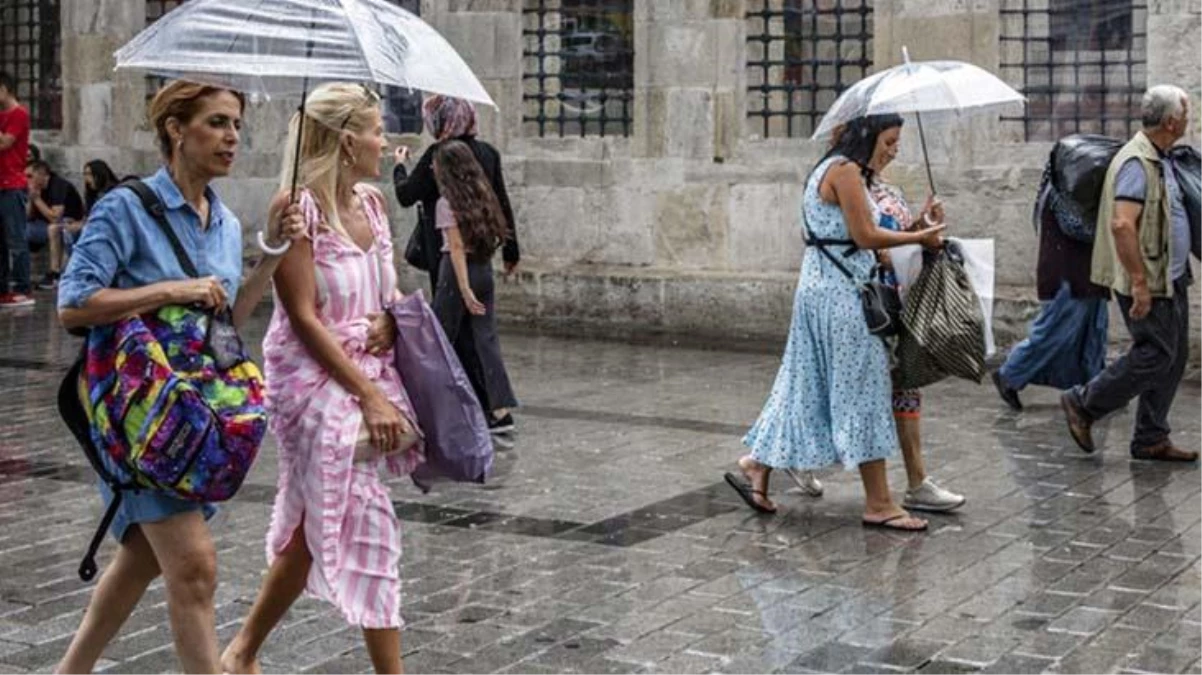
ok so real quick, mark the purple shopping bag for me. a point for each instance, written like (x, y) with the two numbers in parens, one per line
(458, 445)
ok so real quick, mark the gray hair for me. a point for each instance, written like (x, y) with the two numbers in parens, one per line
(1160, 103)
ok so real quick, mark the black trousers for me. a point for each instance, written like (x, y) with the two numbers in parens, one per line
(1151, 370)
(474, 337)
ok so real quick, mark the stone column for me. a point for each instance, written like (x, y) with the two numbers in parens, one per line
(1174, 30)
(488, 35)
(690, 80)
(101, 109)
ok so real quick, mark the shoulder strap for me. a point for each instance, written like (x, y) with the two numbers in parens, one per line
(154, 207)
(821, 246)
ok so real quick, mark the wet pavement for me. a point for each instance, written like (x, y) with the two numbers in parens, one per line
(607, 542)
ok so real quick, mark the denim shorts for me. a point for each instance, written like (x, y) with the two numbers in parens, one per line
(148, 506)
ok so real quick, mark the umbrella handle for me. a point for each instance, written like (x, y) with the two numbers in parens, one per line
(300, 134)
(925, 157)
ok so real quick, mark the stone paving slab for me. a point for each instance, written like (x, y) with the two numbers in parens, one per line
(607, 543)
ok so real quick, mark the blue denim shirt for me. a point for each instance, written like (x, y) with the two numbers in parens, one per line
(122, 246)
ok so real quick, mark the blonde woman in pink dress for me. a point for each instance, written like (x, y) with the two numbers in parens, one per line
(331, 379)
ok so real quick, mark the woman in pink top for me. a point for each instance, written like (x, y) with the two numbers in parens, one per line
(472, 223)
(331, 380)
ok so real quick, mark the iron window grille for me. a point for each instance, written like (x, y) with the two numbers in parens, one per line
(802, 54)
(578, 67)
(401, 107)
(30, 50)
(1082, 64)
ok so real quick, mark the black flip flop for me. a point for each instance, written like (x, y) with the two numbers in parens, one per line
(747, 493)
(884, 524)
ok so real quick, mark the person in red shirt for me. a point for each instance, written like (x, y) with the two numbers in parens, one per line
(14, 148)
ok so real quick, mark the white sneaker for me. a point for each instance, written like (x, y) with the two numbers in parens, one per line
(806, 481)
(930, 497)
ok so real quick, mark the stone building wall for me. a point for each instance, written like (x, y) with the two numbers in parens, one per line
(688, 225)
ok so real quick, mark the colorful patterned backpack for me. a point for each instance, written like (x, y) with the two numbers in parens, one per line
(171, 400)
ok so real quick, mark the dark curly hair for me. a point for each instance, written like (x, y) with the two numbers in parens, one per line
(856, 140)
(478, 213)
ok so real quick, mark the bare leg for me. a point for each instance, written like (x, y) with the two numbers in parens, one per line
(384, 647)
(284, 584)
(185, 551)
(909, 433)
(55, 233)
(757, 476)
(878, 503)
(117, 594)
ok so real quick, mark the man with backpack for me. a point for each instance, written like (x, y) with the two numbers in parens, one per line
(1066, 343)
(1141, 252)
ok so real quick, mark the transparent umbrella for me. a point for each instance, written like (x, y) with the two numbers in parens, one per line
(282, 47)
(920, 87)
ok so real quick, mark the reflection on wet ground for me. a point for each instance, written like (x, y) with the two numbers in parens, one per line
(606, 541)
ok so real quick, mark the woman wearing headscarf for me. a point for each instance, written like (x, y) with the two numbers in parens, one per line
(446, 119)
(454, 119)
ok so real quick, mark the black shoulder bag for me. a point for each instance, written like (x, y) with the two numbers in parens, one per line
(881, 303)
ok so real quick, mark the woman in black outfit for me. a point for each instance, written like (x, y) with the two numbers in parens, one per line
(445, 119)
(473, 336)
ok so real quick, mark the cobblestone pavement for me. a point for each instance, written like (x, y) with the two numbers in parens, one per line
(607, 542)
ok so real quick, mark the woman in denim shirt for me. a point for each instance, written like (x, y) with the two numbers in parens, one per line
(123, 265)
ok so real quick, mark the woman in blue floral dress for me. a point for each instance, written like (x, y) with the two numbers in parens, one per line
(831, 401)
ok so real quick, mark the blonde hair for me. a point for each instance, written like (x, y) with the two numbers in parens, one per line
(331, 110)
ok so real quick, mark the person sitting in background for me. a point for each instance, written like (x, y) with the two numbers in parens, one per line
(98, 179)
(53, 200)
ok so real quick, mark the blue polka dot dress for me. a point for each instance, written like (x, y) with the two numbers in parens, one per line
(831, 400)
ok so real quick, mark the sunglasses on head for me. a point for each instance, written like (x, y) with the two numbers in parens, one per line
(369, 98)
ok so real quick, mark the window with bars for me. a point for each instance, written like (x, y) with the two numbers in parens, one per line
(1082, 65)
(578, 67)
(30, 51)
(155, 10)
(402, 108)
(801, 54)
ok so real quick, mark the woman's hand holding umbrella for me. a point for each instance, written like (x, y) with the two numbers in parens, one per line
(932, 211)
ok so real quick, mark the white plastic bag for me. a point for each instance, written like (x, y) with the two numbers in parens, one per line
(978, 264)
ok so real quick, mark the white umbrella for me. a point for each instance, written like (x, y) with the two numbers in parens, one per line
(922, 87)
(281, 47)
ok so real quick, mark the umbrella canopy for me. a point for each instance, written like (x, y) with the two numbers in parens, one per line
(921, 87)
(280, 47)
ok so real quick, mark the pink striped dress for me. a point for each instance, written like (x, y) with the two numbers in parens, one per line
(349, 524)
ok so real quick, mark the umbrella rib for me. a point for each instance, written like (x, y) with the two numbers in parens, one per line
(358, 40)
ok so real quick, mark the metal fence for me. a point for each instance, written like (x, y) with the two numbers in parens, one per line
(1082, 65)
(801, 54)
(578, 67)
(30, 50)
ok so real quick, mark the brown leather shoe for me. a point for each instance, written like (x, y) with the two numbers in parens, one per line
(1078, 424)
(1165, 452)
